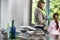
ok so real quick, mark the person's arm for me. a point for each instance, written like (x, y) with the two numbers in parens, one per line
(50, 28)
(59, 26)
(40, 18)
(59, 29)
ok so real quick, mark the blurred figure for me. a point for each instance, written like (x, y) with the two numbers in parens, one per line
(54, 28)
(39, 17)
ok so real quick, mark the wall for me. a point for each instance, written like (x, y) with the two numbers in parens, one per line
(17, 10)
(26, 12)
(0, 12)
(4, 13)
(20, 12)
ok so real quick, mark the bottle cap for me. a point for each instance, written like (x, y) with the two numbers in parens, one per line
(12, 20)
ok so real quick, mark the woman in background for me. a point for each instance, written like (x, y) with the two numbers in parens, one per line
(39, 17)
(54, 28)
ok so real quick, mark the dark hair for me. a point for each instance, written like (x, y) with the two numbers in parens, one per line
(57, 24)
(55, 14)
(41, 1)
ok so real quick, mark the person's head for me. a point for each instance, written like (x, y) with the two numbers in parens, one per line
(55, 16)
(40, 4)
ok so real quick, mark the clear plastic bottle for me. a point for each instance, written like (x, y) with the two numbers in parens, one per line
(8, 30)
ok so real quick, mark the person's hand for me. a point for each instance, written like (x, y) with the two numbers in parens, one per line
(46, 19)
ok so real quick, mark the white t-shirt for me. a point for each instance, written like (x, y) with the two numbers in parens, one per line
(52, 29)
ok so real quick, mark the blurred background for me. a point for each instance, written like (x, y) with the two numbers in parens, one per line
(52, 7)
(22, 12)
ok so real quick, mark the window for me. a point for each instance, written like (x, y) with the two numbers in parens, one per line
(54, 6)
